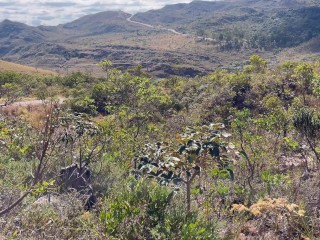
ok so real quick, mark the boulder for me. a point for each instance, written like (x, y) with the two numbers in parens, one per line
(75, 178)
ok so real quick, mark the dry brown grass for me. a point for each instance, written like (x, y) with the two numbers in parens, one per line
(159, 47)
(9, 66)
(307, 52)
(33, 114)
(154, 40)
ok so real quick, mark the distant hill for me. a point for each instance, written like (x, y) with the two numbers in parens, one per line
(8, 66)
(183, 13)
(100, 23)
(16, 30)
(53, 46)
(14, 34)
(94, 24)
(199, 11)
(260, 23)
(217, 34)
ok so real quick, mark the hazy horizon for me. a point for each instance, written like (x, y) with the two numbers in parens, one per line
(51, 13)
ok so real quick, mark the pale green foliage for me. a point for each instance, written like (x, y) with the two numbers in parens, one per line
(9, 92)
(305, 76)
(145, 210)
(257, 64)
(105, 65)
(316, 84)
(156, 178)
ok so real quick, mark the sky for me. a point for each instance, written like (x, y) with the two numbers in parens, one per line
(54, 12)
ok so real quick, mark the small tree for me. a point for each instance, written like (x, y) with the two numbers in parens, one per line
(106, 66)
(257, 64)
(201, 148)
(43, 149)
(307, 123)
(304, 75)
(61, 141)
(9, 92)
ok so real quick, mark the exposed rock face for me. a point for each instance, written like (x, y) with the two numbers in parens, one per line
(75, 178)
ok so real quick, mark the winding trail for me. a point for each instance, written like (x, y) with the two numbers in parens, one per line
(34, 102)
(139, 23)
(129, 19)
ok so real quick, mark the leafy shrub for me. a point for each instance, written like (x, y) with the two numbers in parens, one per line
(136, 210)
(145, 210)
(85, 105)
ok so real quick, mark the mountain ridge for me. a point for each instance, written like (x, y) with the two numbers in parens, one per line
(170, 41)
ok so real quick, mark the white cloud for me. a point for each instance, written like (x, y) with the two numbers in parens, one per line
(53, 12)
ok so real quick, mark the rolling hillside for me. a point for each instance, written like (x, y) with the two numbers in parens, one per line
(236, 30)
(8, 66)
(261, 24)
(100, 23)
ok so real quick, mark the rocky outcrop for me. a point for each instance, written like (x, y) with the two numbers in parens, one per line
(76, 178)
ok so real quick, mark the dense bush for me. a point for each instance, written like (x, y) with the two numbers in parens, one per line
(224, 156)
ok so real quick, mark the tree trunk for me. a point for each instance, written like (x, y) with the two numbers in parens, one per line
(188, 196)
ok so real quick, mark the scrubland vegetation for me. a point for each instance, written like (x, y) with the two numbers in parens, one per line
(224, 156)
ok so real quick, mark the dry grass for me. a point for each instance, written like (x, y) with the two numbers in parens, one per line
(33, 114)
(158, 47)
(153, 40)
(308, 52)
(9, 66)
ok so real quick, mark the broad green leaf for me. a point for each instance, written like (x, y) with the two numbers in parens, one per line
(190, 142)
(215, 151)
(231, 173)
(198, 151)
(243, 154)
(182, 149)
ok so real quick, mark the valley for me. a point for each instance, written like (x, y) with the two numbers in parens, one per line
(200, 38)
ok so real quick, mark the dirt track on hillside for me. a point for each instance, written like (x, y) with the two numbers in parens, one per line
(34, 102)
(167, 29)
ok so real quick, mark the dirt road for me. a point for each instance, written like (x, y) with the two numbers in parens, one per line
(168, 29)
(33, 102)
